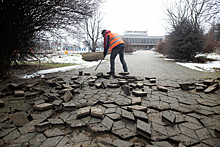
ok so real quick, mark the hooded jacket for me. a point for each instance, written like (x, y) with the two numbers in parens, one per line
(107, 42)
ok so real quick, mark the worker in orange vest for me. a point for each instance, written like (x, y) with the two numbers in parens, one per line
(115, 45)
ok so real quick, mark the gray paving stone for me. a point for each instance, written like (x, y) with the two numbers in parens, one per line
(83, 112)
(188, 132)
(26, 129)
(49, 142)
(107, 122)
(110, 110)
(172, 130)
(139, 93)
(159, 128)
(212, 142)
(79, 137)
(191, 126)
(24, 138)
(140, 115)
(69, 106)
(162, 144)
(208, 122)
(136, 101)
(96, 112)
(187, 141)
(56, 121)
(127, 115)
(95, 120)
(144, 129)
(169, 118)
(42, 126)
(75, 123)
(2, 103)
(64, 115)
(18, 93)
(5, 132)
(124, 133)
(203, 134)
(122, 143)
(44, 106)
(37, 140)
(97, 127)
(11, 136)
(67, 96)
(137, 107)
(65, 142)
(114, 116)
(118, 125)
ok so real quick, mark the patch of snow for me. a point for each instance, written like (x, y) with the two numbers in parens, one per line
(77, 59)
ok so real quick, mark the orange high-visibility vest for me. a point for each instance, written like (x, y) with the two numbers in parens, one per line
(114, 40)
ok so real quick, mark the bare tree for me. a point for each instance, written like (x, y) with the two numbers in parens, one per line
(22, 22)
(93, 28)
(212, 10)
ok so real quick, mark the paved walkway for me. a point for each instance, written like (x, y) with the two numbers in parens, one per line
(65, 109)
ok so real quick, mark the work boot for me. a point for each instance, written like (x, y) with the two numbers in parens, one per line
(111, 73)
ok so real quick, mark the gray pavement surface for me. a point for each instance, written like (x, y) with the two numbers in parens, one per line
(143, 109)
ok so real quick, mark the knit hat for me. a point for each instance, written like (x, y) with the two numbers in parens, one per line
(103, 31)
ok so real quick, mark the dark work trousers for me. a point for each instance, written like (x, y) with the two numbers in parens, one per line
(114, 53)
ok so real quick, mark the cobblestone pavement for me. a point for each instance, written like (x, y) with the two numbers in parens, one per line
(158, 104)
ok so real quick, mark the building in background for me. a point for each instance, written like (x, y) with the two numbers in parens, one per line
(141, 40)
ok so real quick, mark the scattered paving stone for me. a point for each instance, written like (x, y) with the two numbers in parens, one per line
(67, 96)
(113, 85)
(209, 82)
(212, 88)
(187, 141)
(137, 107)
(31, 95)
(65, 142)
(162, 88)
(203, 134)
(18, 93)
(173, 130)
(124, 133)
(217, 131)
(118, 125)
(83, 112)
(122, 143)
(114, 116)
(64, 115)
(56, 121)
(107, 122)
(136, 101)
(37, 140)
(51, 141)
(75, 123)
(74, 77)
(99, 74)
(104, 84)
(152, 80)
(5, 132)
(127, 115)
(184, 86)
(98, 85)
(69, 106)
(24, 138)
(199, 89)
(53, 132)
(169, 118)
(144, 129)
(212, 142)
(42, 127)
(19, 119)
(11, 136)
(97, 127)
(96, 112)
(162, 143)
(2, 103)
(140, 115)
(188, 132)
(139, 93)
(44, 106)
(110, 110)
(26, 129)
(123, 73)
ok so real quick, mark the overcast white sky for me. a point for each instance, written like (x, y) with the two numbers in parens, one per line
(140, 15)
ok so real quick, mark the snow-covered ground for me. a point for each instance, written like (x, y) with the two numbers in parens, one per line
(74, 58)
(206, 67)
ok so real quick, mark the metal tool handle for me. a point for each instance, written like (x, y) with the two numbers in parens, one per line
(100, 63)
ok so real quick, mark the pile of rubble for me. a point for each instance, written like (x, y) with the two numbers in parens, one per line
(105, 110)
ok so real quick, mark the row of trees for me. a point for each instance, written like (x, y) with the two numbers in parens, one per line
(22, 22)
(186, 37)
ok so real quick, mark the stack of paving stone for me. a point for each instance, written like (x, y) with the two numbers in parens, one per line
(103, 110)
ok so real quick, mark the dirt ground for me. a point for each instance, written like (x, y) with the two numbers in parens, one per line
(15, 71)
